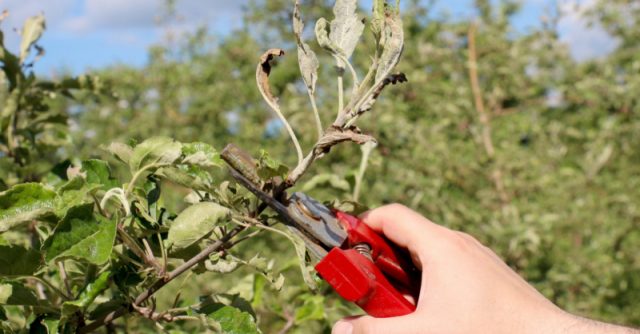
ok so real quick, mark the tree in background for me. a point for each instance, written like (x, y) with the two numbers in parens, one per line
(498, 133)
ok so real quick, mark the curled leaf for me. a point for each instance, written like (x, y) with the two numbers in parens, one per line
(337, 135)
(323, 36)
(262, 74)
(307, 59)
(346, 28)
(31, 32)
(392, 43)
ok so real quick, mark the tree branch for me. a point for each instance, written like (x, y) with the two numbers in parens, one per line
(496, 174)
(141, 298)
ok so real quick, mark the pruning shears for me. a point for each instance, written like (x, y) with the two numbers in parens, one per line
(361, 266)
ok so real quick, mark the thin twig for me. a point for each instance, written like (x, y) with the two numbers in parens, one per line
(163, 281)
(312, 98)
(65, 279)
(290, 322)
(496, 174)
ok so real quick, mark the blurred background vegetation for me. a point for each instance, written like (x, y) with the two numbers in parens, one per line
(515, 142)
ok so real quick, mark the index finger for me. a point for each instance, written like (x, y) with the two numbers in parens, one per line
(404, 227)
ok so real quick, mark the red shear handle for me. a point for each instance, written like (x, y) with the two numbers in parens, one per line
(358, 280)
(394, 262)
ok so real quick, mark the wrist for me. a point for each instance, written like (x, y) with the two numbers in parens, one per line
(574, 324)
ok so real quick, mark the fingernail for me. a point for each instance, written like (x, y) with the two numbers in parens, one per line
(342, 327)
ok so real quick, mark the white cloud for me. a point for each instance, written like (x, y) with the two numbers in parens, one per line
(586, 42)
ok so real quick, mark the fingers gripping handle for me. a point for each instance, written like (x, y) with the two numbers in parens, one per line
(358, 280)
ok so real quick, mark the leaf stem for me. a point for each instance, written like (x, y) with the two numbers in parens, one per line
(52, 287)
(276, 108)
(312, 98)
(366, 152)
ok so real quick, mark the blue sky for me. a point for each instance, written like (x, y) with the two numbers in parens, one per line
(86, 34)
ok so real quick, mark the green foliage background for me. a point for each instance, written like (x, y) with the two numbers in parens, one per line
(568, 219)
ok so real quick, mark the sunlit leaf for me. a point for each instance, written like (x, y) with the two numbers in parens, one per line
(201, 154)
(155, 151)
(82, 235)
(233, 320)
(346, 28)
(31, 31)
(307, 59)
(25, 202)
(194, 223)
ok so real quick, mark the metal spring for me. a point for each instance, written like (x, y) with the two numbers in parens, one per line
(364, 250)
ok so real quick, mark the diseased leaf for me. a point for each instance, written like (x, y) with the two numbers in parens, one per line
(392, 43)
(121, 151)
(18, 261)
(301, 251)
(346, 28)
(322, 36)
(31, 31)
(25, 202)
(81, 235)
(307, 59)
(15, 293)
(336, 135)
(262, 74)
(194, 223)
(155, 150)
(233, 320)
(201, 154)
(220, 265)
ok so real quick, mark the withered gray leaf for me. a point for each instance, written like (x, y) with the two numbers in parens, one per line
(336, 135)
(346, 28)
(392, 42)
(323, 36)
(262, 73)
(307, 59)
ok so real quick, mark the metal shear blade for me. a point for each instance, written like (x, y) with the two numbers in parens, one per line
(307, 218)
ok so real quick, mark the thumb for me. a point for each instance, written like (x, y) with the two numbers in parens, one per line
(369, 325)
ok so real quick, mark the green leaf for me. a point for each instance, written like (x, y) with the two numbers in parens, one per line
(23, 203)
(233, 320)
(98, 172)
(15, 293)
(201, 154)
(312, 309)
(121, 151)
(156, 150)
(18, 261)
(31, 31)
(186, 177)
(88, 295)
(268, 167)
(194, 223)
(81, 235)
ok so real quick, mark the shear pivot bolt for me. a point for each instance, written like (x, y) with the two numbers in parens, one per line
(364, 250)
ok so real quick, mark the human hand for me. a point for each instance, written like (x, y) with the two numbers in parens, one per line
(466, 287)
